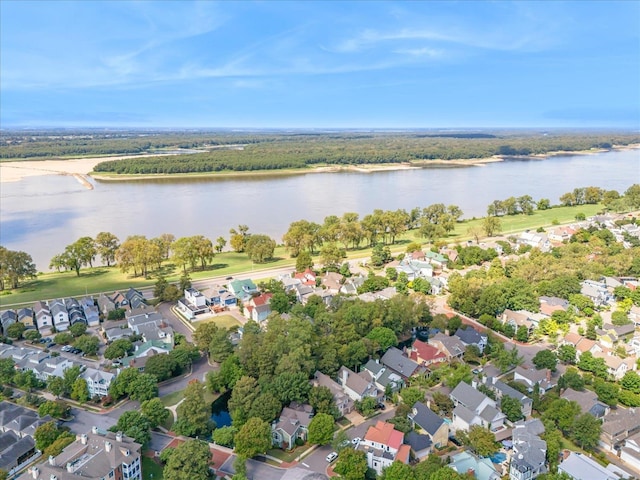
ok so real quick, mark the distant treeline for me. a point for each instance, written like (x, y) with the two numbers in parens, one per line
(300, 151)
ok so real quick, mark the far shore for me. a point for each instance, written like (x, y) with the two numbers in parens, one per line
(81, 168)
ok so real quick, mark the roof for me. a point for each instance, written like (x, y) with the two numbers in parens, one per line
(453, 345)
(385, 434)
(293, 417)
(482, 468)
(395, 360)
(427, 352)
(470, 336)
(530, 449)
(468, 396)
(425, 418)
(354, 381)
(417, 441)
(587, 400)
(581, 466)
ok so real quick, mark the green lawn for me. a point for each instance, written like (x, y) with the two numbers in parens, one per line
(103, 279)
(172, 398)
(289, 456)
(224, 321)
(151, 469)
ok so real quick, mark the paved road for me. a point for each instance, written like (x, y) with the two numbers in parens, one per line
(198, 372)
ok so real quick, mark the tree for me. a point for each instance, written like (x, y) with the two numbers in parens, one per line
(631, 381)
(87, 343)
(144, 387)
(155, 412)
(567, 353)
(107, 245)
(585, 431)
(15, 266)
(202, 248)
(253, 438)
(491, 226)
(63, 338)
(351, 464)
(78, 329)
(383, 337)
(79, 254)
(220, 346)
(367, 406)
(57, 409)
(331, 254)
(190, 460)
(411, 395)
(260, 248)
(15, 330)
(225, 436)
(321, 429)
(193, 412)
(476, 232)
(303, 261)
(46, 434)
(321, 400)
(607, 392)
(135, 425)
(482, 441)
(238, 238)
(118, 349)
(398, 471)
(80, 390)
(220, 244)
(243, 395)
(289, 387)
(511, 408)
(545, 359)
(162, 367)
(562, 413)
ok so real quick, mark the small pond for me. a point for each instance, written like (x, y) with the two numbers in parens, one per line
(220, 410)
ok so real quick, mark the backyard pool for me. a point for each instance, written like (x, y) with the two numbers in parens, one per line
(498, 457)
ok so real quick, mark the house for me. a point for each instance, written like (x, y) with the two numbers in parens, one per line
(292, 424)
(562, 233)
(7, 317)
(630, 453)
(76, 314)
(436, 259)
(59, 314)
(582, 344)
(415, 269)
(617, 426)
(588, 402)
(531, 376)
(581, 467)
(501, 390)
(98, 381)
(430, 423)
(383, 445)
(44, 320)
(116, 333)
(384, 378)
(426, 354)
(92, 314)
(468, 463)
(616, 366)
(27, 318)
(437, 285)
(520, 319)
(634, 315)
(529, 451)
(395, 360)
(384, 294)
(474, 408)
(596, 292)
(17, 445)
(534, 240)
(120, 301)
(143, 352)
(135, 298)
(548, 305)
(452, 347)
(93, 456)
(343, 402)
(193, 303)
(243, 290)
(257, 308)
(351, 285)
(332, 281)
(308, 277)
(219, 296)
(421, 445)
(358, 385)
(105, 304)
(470, 336)
(51, 367)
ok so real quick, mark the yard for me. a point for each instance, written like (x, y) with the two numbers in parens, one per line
(224, 321)
(151, 470)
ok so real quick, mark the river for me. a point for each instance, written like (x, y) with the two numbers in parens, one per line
(42, 214)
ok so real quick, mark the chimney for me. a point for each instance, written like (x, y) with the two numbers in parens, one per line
(83, 439)
(107, 446)
(345, 375)
(94, 430)
(35, 472)
(52, 460)
(119, 437)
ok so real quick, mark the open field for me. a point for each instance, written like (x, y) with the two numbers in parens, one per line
(224, 321)
(151, 470)
(103, 279)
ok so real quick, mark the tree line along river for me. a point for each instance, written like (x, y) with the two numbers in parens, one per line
(43, 214)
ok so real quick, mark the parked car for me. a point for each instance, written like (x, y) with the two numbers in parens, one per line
(331, 457)
(356, 440)
(380, 406)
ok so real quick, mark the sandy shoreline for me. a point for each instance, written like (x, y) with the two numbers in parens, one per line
(82, 168)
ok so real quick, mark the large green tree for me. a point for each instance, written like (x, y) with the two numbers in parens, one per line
(351, 464)
(585, 431)
(188, 461)
(253, 438)
(107, 245)
(260, 248)
(135, 425)
(15, 266)
(321, 429)
(482, 441)
(193, 412)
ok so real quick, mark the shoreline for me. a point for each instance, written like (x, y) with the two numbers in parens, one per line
(82, 168)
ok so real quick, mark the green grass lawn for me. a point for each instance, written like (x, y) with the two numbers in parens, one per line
(151, 469)
(289, 456)
(172, 398)
(103, 279)
(224, 321)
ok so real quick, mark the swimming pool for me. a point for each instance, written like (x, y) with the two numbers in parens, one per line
(498, 457)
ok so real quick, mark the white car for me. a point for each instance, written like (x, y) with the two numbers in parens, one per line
(331, 457)
(356, 440)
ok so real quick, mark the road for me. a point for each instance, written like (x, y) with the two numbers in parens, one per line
(198, 371)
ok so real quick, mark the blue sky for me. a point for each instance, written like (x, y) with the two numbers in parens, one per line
(320, 64)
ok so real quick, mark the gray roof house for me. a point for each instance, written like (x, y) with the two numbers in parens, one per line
(292, 424)
(358, 386)
(44, 320)
(342, 400)
(399, 363)
(588, 402)
(501, 389)
(433, 425)
(474, 408)
(383, 377)
(105, 304)
(420, 444)
(470, 336)
(581, 467)
(450, 346)
(7, 317)
(531, 376)
(529, 451)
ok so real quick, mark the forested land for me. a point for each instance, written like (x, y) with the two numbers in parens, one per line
(302, 151)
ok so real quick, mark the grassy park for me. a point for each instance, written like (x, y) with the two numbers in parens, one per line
(103, 279)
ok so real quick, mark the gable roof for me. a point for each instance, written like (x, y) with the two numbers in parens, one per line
(384, 433)
(417, 441)
(426, 352)
(470, 336)
(468, 396)
(396, 361)
(425, 418)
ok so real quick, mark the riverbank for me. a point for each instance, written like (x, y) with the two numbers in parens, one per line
(16, 170)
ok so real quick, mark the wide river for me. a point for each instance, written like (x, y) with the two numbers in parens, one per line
(41, 215)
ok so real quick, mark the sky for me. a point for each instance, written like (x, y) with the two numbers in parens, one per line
(333, 64)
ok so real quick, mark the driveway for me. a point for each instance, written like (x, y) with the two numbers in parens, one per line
(263, 471)
(199, 370)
